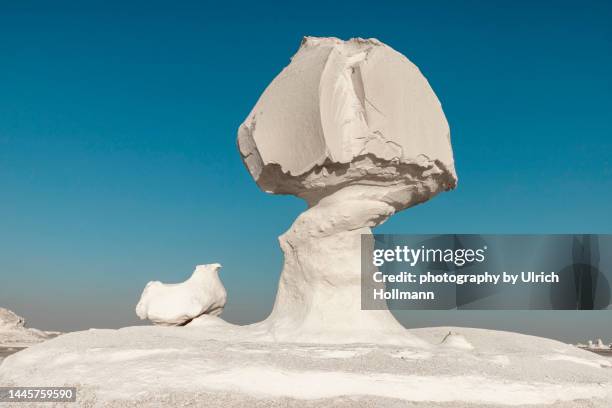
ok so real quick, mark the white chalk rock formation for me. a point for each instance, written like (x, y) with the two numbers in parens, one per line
(14, 333)
(9, 320)
(177, 304)
(454, 340)
(345, 112)
(354, 128)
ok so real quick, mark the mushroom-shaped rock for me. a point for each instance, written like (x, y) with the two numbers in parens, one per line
(177, 304)
(354, 128)
(456, 341)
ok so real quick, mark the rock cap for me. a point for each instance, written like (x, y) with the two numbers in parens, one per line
(346, 112)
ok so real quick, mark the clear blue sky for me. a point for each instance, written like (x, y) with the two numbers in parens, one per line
(118, 161)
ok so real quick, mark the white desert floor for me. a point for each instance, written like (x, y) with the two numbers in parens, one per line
(179, 366)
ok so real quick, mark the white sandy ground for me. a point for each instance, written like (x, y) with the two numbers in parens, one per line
(24, 337)
(181, 366)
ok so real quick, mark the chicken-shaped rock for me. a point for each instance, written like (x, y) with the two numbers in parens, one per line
(177, 304)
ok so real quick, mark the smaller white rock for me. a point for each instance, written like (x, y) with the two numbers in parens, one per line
(14, 333)
(177, 304)
(9, 320)
(456, 341)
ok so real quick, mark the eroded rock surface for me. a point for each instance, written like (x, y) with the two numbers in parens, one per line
(9, 320)
(345, 112)
(14, 333)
